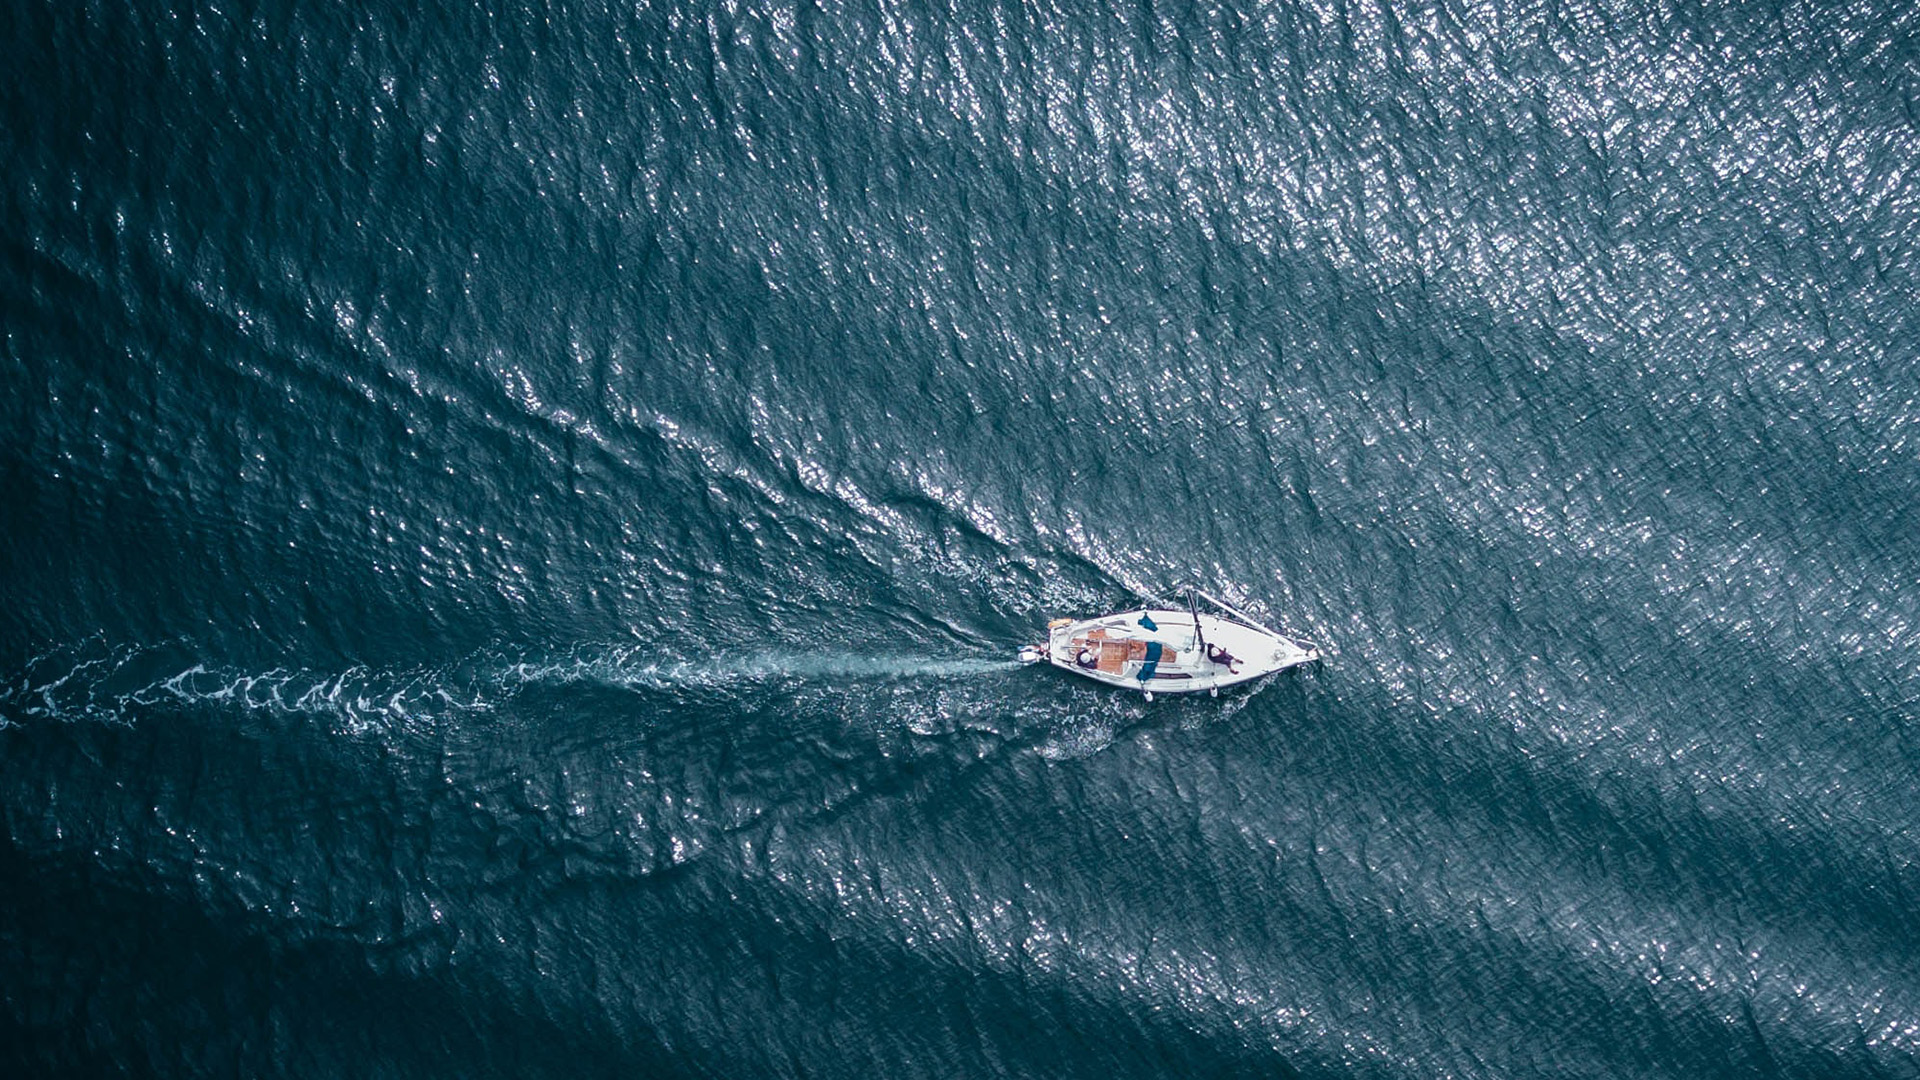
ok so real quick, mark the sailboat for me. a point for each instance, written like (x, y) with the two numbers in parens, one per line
(1162, 650)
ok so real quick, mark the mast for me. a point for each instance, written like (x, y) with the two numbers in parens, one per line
(1193, 605)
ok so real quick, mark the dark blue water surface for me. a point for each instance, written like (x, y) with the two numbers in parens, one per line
(517, 519)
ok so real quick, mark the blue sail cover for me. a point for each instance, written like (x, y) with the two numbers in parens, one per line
(1153, 659)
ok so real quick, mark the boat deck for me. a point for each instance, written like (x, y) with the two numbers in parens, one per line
(1115, 655)
(1121, 644)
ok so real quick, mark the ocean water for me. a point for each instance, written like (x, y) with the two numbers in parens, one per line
(517, 518)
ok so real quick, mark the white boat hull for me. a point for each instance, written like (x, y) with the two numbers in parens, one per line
(1120, 650)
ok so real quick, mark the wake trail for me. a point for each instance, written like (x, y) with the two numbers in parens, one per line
(116, 685)
(724, 671)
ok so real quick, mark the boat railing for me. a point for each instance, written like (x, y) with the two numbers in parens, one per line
(1230, 609)
(1237, 613)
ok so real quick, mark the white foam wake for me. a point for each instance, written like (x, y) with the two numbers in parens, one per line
(116, 685)
(644, 668)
